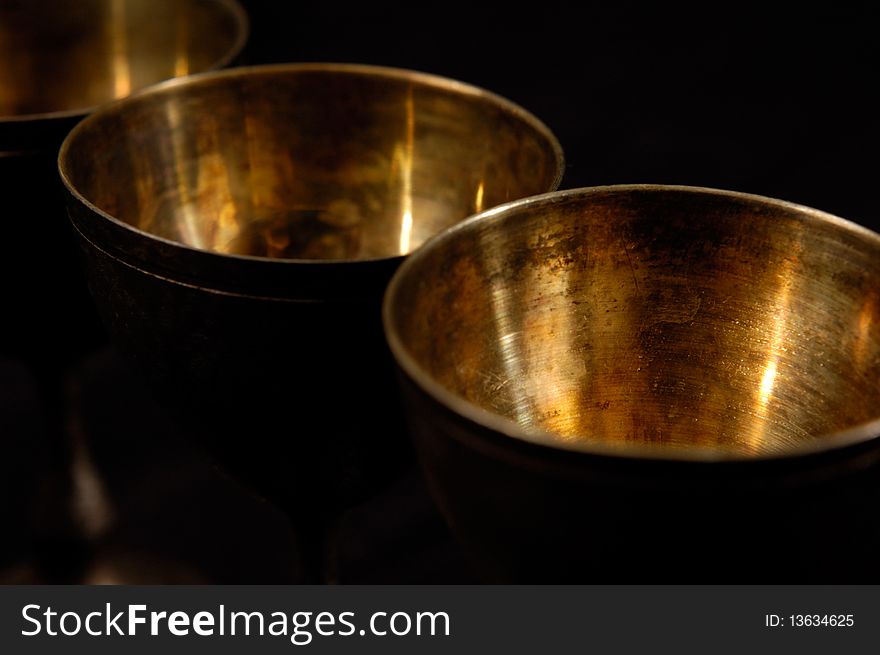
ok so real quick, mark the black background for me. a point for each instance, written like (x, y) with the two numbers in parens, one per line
(767, 98)
(771, 98)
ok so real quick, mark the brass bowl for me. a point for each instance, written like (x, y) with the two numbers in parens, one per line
(645, 382)
(240, 228)
(63, 58)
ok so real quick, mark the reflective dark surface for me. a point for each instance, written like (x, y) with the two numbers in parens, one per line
(146, 506)
(646, 381)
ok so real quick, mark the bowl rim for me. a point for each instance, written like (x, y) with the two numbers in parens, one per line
(242, 23)
(366, 70)
(858, 434)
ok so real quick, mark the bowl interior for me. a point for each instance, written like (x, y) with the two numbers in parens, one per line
(69, 55)
(671, 317)
(308, 162)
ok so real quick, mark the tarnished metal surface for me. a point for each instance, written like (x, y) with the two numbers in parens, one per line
(308, 161)
(649, 321)
(66, 56)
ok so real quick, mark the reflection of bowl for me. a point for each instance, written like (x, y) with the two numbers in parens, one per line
(647, 381)
(240, 229)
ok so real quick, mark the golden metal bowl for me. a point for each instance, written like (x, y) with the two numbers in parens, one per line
(65, 57)
(305, 162)
(668, 331)
(240, 229)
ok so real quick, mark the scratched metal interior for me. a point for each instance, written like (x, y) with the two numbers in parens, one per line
(667, 317)
(63, 55)
(311, 162)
